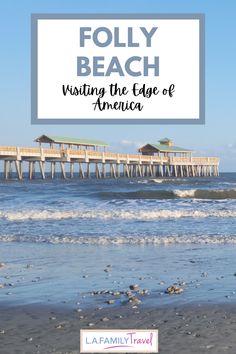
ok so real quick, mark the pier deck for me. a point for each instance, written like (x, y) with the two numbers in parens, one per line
(104, 164)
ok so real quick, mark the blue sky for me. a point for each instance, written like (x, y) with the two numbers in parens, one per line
(216, 137)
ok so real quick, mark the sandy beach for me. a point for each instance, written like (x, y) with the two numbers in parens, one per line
(182, 329)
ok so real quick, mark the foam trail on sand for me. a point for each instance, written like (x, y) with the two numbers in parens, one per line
(122, 240)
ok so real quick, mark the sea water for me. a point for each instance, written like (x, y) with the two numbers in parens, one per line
(57, 238)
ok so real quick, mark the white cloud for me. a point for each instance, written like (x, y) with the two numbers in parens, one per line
(126, 142)
(131, 143)
(230, 145)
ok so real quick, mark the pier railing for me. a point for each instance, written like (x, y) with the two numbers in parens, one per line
(24, 152)
(193, 160)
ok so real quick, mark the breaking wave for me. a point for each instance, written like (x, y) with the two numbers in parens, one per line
(172, 194)
(115, 214)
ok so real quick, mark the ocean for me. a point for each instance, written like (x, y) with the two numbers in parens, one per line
(58, 237)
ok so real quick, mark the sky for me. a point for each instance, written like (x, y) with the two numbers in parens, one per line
(216, 138)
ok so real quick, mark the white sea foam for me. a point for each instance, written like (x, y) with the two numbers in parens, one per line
(122, 240)
(168, 180)
(185, 193)
(155, 180)
(115, 214)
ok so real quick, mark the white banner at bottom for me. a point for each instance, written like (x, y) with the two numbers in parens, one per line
(118, 341)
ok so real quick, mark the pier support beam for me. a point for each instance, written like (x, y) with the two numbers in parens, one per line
(18, 169)
(112, 170)
(103, 170)
(118, 170)
(10, 169)
(127, 170)
(53, 169)
(175, 170)
(42, 169)
(71, 169)
(30, 169)
(6, 169)
(161, 170)
(81, 170)
(88, 169)
(63, 172)
(97, 171)
(140, 171)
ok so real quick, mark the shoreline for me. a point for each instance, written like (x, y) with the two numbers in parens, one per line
(65, 274)
(183, 329)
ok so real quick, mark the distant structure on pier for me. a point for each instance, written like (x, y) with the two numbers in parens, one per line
(165, 147)
(90, 159)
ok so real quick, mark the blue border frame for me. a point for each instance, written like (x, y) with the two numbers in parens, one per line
(34, 70)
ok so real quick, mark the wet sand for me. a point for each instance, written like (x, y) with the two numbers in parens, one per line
(188, 329)
(47, 297)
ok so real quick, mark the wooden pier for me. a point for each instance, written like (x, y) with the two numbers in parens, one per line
(22, 162)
